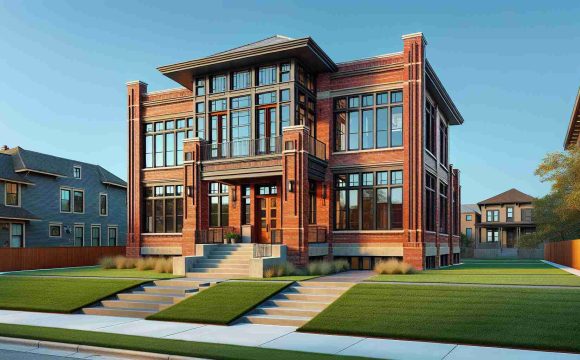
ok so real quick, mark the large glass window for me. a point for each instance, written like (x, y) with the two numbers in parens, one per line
(240, 80)
(163, 209)
(371, 122)
(12, 194)
(218, 105)
(219, 202)
(164, 141)
(430, 193)
(218, 84)
(266, 75)
(492, 235)
(443, 208)
(266, 98)
(241, 102)
(368, 201)
(240, 128)
(430, 127)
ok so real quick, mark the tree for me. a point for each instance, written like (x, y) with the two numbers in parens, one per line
(557, 215)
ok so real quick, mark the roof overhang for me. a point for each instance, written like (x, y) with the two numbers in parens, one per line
(438, 92)
(305, 50)
(114, 184)
(573, 132)
(16, 181)
(38, 172)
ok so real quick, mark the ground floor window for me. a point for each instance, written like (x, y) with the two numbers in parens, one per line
(79, 234)
(430, 262)
(492, 235)
(246, 205)
(163, 209)
(219, 202)
(95, 235)
(369, 200)
(113, 232)
(312, 202)
(365, 262)
(444, 260)
(11, 235)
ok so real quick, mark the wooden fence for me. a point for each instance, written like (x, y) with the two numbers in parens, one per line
(13, 259)
(563, 253)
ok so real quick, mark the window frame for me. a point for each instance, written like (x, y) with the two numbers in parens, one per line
(74, 191)
(153, 135)
(220, 195)
(96, 226)
(101, 204)
(75, 227)
(18, 194)
(212, 80)
(50, 226)
(70, 200)
(153, 198)
(80, 170)
(430, 138)
(509, 218)
(273, 74)
(109, 228)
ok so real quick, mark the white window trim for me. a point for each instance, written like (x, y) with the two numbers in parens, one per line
(54, 224)
(19, 186)
(107, 208)
(75, 226)
(116, 227)
(80, 172)
(23, 233)
(70, 199)
(100, 234)
(73, 201)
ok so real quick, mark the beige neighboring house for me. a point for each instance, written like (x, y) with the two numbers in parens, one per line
(470, 216)
(504, 219)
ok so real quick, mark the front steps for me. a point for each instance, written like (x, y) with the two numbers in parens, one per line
(148, 299)
(228, 261)
(297, 304)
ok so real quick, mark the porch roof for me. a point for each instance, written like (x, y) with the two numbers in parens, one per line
(16, 213)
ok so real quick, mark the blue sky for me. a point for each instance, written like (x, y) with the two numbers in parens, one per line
(512, 68)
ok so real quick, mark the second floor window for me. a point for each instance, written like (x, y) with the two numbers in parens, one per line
(103, 205)
(164, 142)
(12, 194)
(468, 217)
(368, 121)
(527, 215)
(284, 72)
(218, 84)
(240, 80)
(163, 209)
(492, 215)
(65, 200)
(430, 127)
(443, 149)
(266, 75)
(509, 213)
(79, 201)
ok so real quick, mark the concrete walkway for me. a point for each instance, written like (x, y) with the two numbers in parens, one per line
(563, 267)
(277, 337)
(352, 276)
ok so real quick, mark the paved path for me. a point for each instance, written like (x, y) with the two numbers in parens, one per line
(277, 337)
(353, 276)
(563, 267)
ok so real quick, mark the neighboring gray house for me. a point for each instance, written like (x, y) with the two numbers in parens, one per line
(50, 201)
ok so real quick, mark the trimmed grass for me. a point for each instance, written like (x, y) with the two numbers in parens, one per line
(221, 304)
(501, 272)
(284, 278)
(61, 295)
(96, 271)
(154, 345)
(545, 319)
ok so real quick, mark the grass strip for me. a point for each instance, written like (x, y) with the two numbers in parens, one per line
(532, 280)
(545, 319)
(221, 304)
(95, 271)
(156, 345)
(60, 295)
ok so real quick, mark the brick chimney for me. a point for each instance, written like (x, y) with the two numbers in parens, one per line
(4, 148)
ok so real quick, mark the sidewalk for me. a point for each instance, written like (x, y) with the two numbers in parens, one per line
(277, 337)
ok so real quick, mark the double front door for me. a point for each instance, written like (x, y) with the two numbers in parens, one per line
(268, 217)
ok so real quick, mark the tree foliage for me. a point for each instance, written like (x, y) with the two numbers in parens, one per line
(557, 215)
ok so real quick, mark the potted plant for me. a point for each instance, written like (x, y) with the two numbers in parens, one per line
(233, 237)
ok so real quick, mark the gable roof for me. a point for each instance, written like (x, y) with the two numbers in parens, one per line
(512, 196)
(7, 165)
(31, 161)
(470, 208)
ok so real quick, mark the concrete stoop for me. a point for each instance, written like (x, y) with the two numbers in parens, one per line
(297, 304)
(224, 262)
(148, 299)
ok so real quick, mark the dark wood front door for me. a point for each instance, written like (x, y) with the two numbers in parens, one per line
(268, 217)
(511, 239)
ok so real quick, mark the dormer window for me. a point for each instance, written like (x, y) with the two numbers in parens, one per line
(77, 172)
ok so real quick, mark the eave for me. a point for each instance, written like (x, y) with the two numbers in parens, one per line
(438, 92)
(114, 184)
(38, 172)
(573, 132)
(305, 50)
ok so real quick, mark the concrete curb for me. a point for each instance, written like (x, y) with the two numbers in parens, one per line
(28, 345)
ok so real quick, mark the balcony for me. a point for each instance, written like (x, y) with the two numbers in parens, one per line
(242, 149)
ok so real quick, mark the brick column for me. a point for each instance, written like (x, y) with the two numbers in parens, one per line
(413, 169)
(295, 203)
(135, 91)
(195, 200)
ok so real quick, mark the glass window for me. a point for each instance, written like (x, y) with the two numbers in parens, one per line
(285, 115)
(397, 126)
(367, 179)
(367, 129)
(353, 215)
(65, 200)
(285, 95)
(383, 178)
(200, 87)
(77, 172)
(396, 96)
(95, 235)
(367, 100)
(430, 126)
(396, 208)
(103, 205)
(112, 236)
(527, 215)
(397, 177)
(17, 236)
(367, 208)
(79, 234)
(199, 127)
(54, 230)
(218, 84)
(430, 190)
(218, 105)
(382, 99)
(12, 194)
(179, 153)
(246, 204)
(159, 150)
(382, 208)
(180, 124)
(353, 102)
(240, 129)
(266, 98)
(170, 125)
(340, 128)
(219, 205)
(340, 104)
(240, 80)
(163, 209)
(241, 102)
(382, 128)
(266, 75)
(200, 107)
(353, 130)
(149, 127)
(284, 72)
(79, 201)
(468, 217)
(170, 149)
(159, 126)
(353, 180)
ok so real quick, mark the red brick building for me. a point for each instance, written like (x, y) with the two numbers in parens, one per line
(277, 143)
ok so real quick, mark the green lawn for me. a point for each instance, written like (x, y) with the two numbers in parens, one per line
(502, 272)
(222, 303)
(62, 295)
(154, 345)
(513, 317)
(96, 271)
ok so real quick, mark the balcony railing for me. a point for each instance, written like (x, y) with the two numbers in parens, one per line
(242, 148)
(316, 148)
(317, 234)
(212, 236)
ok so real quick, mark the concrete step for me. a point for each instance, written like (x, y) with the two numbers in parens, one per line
(293, 304)
(325, 299)
(169, 290)
(333, 284)
(143, 296)
(316, 290)
(213, 256)
(203, 264)
(186, 283)
(216, 276)
(224, 261)
(221, 270)
(141, 313)
(285, 311)
(127, 304)
(276, 320)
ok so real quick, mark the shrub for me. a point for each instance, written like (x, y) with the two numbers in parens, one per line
(122, 262)
(147, 263)
(393, 267)
(340, 265)
(107, 263)
(164, 265)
